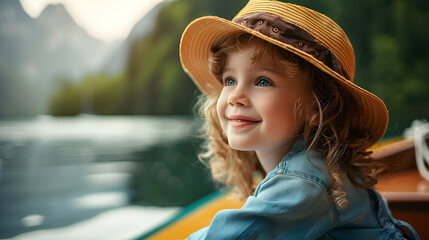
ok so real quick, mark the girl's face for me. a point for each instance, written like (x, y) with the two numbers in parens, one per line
(256, 107)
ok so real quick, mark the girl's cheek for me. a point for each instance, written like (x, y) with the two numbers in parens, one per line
(220, 107)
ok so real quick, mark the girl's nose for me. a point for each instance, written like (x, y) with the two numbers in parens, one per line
(238, 97)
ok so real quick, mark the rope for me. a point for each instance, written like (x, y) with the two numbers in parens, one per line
(418, 131)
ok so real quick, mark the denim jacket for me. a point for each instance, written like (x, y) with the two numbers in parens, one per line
(293, 202)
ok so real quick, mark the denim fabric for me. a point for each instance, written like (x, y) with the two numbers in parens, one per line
(293, 202)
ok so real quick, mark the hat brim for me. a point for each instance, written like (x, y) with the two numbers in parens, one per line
(200, 35)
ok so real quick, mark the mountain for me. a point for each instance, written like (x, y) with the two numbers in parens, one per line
(145, 25)
(67, 48)
(35, 53)
(39, 56)
(118, 59)
(16, 28)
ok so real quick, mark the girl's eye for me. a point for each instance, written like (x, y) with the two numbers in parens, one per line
(263, 82)
(230, 82)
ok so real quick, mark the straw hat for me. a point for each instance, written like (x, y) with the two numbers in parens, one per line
(302, 31)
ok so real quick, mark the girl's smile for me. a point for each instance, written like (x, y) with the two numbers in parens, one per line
(239, 121)
(257, 105)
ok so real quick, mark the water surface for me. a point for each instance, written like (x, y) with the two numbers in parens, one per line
(59, 171)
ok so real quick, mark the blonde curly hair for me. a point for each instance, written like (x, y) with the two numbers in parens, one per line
(333, 130)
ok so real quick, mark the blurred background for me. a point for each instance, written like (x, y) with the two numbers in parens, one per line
(96, 113)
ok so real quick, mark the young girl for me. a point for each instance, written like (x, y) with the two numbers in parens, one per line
(280, 101)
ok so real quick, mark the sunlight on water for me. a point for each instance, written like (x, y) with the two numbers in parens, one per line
(109, 179)
(134, 130)
(128, 223)
(101, 200)
(33, 220)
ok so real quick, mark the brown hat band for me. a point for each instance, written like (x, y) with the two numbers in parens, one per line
(276, 28)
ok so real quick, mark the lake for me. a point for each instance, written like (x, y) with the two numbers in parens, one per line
(56, 172)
